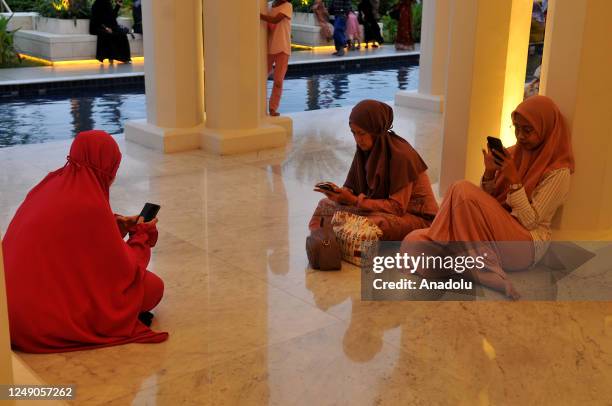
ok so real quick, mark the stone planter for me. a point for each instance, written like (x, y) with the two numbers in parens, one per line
(23, 21)
(61, 27)
(305, 30)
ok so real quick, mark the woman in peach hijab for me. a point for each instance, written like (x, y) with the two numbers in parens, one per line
(510, 214)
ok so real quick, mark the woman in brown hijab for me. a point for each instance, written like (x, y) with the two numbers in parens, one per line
(387, 182)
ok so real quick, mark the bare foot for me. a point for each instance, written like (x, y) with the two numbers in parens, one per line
(511, 292)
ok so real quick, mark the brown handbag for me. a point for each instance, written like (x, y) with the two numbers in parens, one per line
(323, 249)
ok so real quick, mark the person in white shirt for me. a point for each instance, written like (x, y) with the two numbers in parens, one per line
(519, 195)
(278, 18)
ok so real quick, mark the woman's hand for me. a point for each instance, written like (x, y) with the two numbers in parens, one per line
(505, 165)
(125, 223)
(489, 160)
(339, 195)
(148, 228)
(141, 221)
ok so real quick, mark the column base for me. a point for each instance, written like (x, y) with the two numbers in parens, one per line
(281, 121)
(166, 140)
(415, 100)
(227, 142)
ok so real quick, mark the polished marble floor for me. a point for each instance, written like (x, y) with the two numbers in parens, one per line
(251, 324)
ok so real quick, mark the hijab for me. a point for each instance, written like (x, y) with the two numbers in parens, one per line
(554, 152)
(72, 282)
(391, 164)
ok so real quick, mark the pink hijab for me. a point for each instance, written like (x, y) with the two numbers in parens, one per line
(554, 152)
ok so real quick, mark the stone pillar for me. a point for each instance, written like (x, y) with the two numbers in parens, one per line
(235, 80)
(174, 76)
(433, 60)
(486, 74)
(6, 367)
(576, 75)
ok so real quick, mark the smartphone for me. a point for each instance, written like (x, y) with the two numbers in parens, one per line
(326, 186)
(149, 211)
(496, 144)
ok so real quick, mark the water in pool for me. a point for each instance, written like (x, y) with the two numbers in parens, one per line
(41, 119)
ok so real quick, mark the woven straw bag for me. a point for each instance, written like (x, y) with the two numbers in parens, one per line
(358, 237)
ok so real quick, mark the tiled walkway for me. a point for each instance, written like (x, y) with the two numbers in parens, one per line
(250, 324)
(95, 70)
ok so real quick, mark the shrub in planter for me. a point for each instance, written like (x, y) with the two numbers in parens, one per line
(22, 5)
(65, 9)
(302, 6)
(8, 54)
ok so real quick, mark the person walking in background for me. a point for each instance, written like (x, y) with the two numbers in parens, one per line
(353, 31)
(403, 12)
(339, 9)
(278, 18)
(112, 43)
(371, 29)
(137, 16)
(322, 16)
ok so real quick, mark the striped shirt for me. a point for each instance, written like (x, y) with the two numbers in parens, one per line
(536, 215)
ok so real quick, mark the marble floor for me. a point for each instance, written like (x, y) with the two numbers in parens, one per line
(251, 324)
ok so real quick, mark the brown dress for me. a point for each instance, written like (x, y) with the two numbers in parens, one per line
(404, 38)
(411, 208)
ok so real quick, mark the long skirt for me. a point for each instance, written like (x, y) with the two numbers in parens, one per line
(113, 46)
(470, 215)
(371, 31)
(394, 228)
(404, 29)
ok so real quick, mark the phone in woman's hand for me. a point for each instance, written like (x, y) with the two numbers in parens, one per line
(149, 211)
(327, 186)
(495, 144)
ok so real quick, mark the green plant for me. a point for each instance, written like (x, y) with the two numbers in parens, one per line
(65, 9)
(390, 28)
(8, 53)
(22, 5)
(302, 6)
(417, 16)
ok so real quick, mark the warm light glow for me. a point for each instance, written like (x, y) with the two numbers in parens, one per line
(515, 67)
(76, 62)
(91, 62)
(35, 59)
(319, 48)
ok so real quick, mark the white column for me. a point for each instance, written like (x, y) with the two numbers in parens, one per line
(235, 80)
(174, 77)
(576, 75)
(432, 61)
(486, 74)
(6, 367)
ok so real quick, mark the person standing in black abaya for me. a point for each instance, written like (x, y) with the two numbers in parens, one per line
(113, 43)
(137, 16)
(368, 16)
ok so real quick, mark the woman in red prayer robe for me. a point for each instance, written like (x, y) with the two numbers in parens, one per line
(72, 281)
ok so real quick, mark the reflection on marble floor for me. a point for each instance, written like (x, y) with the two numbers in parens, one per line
(249, 323)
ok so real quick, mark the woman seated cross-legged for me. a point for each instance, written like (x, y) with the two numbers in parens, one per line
(72, 282)
(510, 215)
(387, 181)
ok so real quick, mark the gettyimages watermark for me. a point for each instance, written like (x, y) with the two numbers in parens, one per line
(432, 271)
